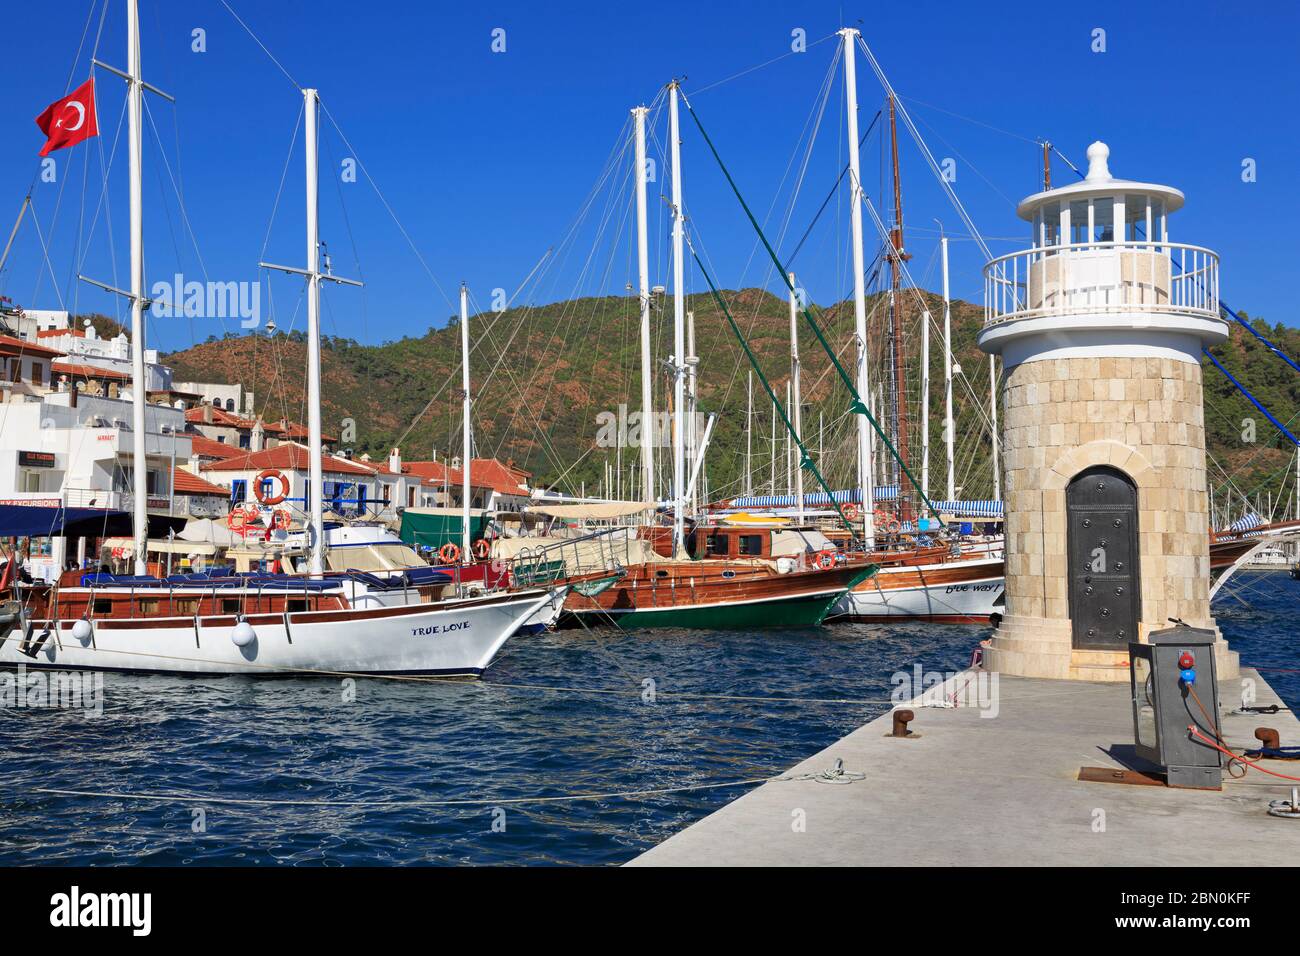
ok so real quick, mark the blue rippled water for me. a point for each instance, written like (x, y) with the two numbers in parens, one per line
(297, 739)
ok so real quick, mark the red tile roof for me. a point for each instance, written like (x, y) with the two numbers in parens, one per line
(191, 484)
(211, 415)
(9, 345)
(289, 456)
(483, 473)
(52, 333)
(206, 447)
(79, 370)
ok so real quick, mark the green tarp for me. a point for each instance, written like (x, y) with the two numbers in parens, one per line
(427, 528)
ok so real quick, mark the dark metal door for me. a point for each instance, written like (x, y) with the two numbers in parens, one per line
(1102, 544)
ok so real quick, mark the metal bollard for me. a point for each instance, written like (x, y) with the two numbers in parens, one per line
(901, 719)
(1268, 738)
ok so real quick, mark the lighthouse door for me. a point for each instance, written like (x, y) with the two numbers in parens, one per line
(1102, 544)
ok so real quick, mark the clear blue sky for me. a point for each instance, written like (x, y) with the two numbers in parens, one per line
(486, 157)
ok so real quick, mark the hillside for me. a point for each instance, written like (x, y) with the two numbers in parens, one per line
(542, 375)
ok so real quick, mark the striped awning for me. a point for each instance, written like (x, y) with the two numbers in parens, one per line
(815, 499)
(1246, 523)
(969, 509)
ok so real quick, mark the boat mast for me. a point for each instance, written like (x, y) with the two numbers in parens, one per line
(139, 388)
(316, 564)
(948, 436)
(643, 271)
(316, 485)
(465, 446)
(679, 320)
(749, 444)
(859, 286)
(692, 400)
(897, 396)
(797, 403)
(925, 403)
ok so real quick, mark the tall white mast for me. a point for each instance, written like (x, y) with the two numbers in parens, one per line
(798, 396)
(925, 404)
(692, 400)
(317, 471)
(749, 444)
(862, 379)
(643, 271)
(948, 436)
(466, 449)
(679, 320)
(139, 388)
(316, 484)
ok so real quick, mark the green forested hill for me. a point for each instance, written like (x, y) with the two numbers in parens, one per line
(543, 376)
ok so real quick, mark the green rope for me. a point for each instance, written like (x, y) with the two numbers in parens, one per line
(857, 406)
(805, 460)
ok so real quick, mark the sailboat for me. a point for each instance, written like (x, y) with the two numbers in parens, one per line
(317, 623)
(667, 575)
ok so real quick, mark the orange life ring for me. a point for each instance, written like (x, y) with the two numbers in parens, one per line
(281, 519)
(893, 526)
(449, 553)
(482, 549)
(271, 474)
(851, 511)
(825, 559)
(237, 519)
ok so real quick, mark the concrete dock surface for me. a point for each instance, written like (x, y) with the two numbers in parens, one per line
(1002, 790)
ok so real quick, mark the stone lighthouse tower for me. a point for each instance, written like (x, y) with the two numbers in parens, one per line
(1100, 325)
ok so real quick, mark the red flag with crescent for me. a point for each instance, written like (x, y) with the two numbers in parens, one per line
(68, 121)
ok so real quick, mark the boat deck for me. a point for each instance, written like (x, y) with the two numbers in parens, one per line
(1003, 791)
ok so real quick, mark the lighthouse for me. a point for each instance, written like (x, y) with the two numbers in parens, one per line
(1100, 324)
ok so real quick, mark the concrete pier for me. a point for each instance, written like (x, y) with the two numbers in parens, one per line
(1002, 790)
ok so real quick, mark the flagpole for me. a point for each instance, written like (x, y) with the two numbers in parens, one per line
(135, 151)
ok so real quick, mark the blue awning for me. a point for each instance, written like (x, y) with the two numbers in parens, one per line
(33, 521)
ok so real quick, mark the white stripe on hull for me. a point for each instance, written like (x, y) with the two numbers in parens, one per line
(958, 602)
(451, 638)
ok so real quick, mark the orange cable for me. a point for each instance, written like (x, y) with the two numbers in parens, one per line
(1249, 763)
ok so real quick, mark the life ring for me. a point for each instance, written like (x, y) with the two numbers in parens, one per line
(893, 526)
(482, 549)
(449, 553)
(237, 519)
(825, 559)
(851, 511)
(271, 474)
(281, 519)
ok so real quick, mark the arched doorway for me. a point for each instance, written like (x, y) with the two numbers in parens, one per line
(1102, 544)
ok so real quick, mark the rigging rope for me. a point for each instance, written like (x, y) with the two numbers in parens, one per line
(858, 405)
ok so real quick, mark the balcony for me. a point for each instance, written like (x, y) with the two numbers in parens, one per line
(1102, 279)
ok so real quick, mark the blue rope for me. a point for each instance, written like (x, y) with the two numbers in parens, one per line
(1241, 388)
(1267, 344)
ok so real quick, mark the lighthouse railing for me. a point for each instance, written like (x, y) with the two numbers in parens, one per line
(1101, 277)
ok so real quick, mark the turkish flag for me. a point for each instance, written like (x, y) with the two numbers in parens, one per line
(68, 121)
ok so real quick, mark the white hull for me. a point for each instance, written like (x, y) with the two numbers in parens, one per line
(450, 638)
(959, 602)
